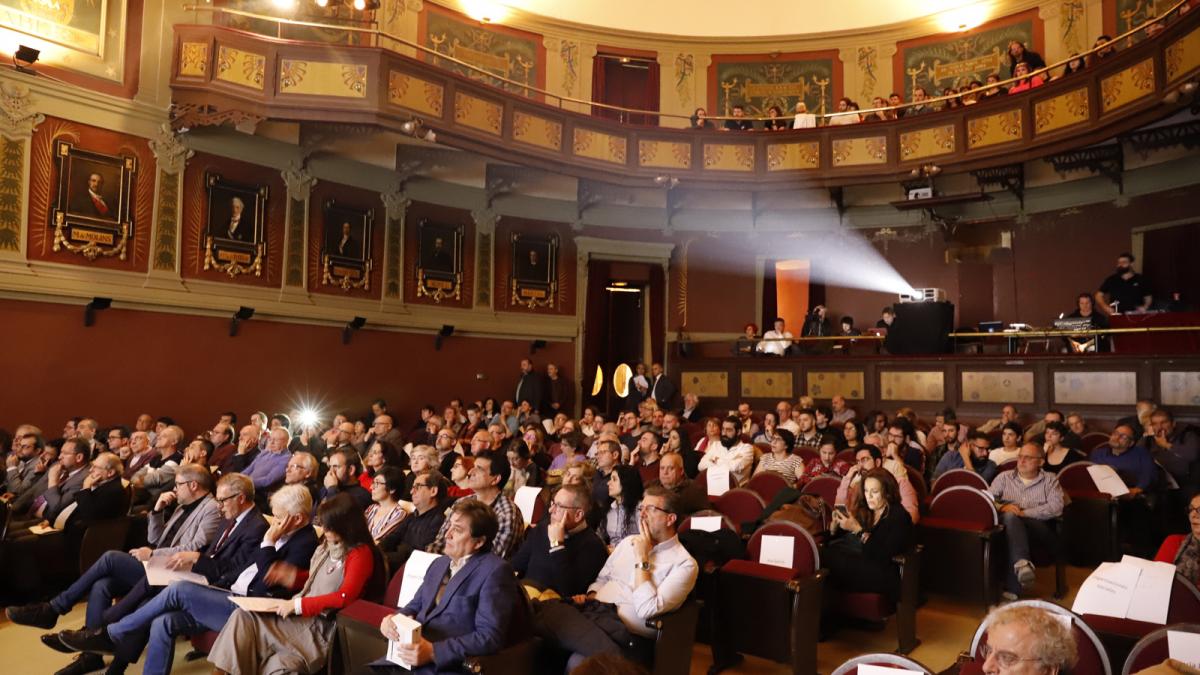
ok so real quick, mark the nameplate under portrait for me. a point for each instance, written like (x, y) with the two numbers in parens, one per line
(93, 209)
(346, 252)
(235, 235)
(439, 260)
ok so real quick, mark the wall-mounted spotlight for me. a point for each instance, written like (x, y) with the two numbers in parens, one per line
(242, 314)
(24, 58)
(536, 345)
(925, 171)
(446, 331)
(355, 324)
(90, 309)
(417, 129)
(666, 180)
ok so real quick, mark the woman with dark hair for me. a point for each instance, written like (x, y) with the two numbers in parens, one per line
(1077, 64)
(746, 344)
(867, 536)
(1018, 53)
(382, 453)
(490, 408)
(296, 638)
(852, 435)
(770, 428)
(385, 512)
(620, 515)
(1057, 454)
(699, 120)
(774, 122)
(1106, 46)
(454, 466)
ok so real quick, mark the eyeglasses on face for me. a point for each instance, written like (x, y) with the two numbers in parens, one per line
(643, 508)
(222, 500)
(1006, 659)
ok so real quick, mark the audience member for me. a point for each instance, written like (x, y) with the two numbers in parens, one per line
(1018, 54)
(1027, 639)
(699, 119)
(774, 121)
(342, 478)
(385, 513)
(776, 341)
(866, 536)
(488, 473)
(825, 463)
(973, 456)
(417, 530)
(1132, 462)
(730, 453)
(1055, 454)
(625, 488)
(866, 459)
(1124, 291)
(562, 554)
(1027, 497)
(801, 118)
(739, 121)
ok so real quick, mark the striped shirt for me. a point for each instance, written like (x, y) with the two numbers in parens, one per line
(788, 467)
(1041, 499)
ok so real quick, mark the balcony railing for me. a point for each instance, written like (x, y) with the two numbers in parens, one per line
(223, 75)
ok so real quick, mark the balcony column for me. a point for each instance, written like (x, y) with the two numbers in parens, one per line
(18, 120)
(171, 154)
(485, 256)
(295, 239)
(395, 204)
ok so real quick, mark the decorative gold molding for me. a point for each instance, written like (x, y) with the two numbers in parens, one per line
(91, 250)
(344, 281)
(232, 268)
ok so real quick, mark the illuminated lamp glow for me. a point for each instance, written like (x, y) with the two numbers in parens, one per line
(308, 417)
(621, 378)
(284, 4)
(322, 3)
(598, 384)
(963, 18)
(485, 11)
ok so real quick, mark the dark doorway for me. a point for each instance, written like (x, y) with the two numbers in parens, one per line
(628, 82)
(621, 297)
(1168, 261)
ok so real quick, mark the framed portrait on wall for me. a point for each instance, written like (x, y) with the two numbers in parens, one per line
(93, 210)
(439, 260)
(235, 229)
(346, 249)
(534, 275)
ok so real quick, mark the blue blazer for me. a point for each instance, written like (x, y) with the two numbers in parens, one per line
(296, 551)
(221, 566)
(473, 617)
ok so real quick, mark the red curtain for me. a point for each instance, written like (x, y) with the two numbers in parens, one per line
(628, 85)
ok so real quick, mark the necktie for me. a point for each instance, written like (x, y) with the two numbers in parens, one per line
(225, 535)
(437, 599)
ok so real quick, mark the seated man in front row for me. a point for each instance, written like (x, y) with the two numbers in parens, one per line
(1027, 498)
(648, 574)
(466, 601)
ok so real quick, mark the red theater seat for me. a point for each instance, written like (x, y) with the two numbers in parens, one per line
(962, 537)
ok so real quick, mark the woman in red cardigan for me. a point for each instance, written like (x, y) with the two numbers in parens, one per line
(1184, 549)
(289, 636)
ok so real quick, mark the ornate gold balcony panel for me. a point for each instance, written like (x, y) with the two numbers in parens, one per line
(221, 75)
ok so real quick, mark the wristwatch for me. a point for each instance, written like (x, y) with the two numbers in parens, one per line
(644, 565)
(555, 544)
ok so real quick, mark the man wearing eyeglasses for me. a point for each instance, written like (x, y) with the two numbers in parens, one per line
(156, 477)
(418, 530)
(1024, 640)
(344, 467)
(1027, 498)
(1132, 462)
(562, 553)
(972, 455)
(648, 574)
(195, 520)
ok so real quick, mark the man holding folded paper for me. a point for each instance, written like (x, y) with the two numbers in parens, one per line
(730, 453)
(464, 606)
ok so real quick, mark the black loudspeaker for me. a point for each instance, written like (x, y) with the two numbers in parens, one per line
(921, 328)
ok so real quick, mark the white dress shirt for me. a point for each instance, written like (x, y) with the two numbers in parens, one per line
(672, 575)
(773, 342)
(737, 459)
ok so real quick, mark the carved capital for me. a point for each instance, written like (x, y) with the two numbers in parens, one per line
(169, 149)
(485, 219)
(396, 203)
(299, 181)
(18, 118)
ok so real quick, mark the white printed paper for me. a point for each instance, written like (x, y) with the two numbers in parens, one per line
(1152, 597)
(869, 669)
(256, 604)
(718, 480)
(776, 550)
(409, 630)
(1184, 647)
(414, 573)
(40, 529)
(63, 516)
(158, 574)
(1108, 590)
(526, 499)
(1107, 480)
(706, 523)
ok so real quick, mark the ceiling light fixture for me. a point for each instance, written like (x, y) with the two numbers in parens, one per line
(963, 18)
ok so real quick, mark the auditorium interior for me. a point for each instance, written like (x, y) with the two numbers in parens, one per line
(864, 330)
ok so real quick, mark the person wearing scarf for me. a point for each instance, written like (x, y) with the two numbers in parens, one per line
(1184, 549)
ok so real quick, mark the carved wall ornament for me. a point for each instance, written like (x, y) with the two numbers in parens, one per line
(18, 118)
(169, 150)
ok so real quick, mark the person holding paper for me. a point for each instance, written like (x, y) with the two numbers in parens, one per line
(186, 608)
(465, 604)
(1132, 462)
(620, 513)
(489, 472)
(867, 536)
(1027, 640)
(562, 554)
(730, 453)
(647, 575)
(1027, 497)
(295, 637)
(194, 522)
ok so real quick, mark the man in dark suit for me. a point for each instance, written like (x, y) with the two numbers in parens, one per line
(187, 608)
(347, 246)
(530, 387)
(239, 228)
(92, 202)
(467, 600)
(661, 388)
